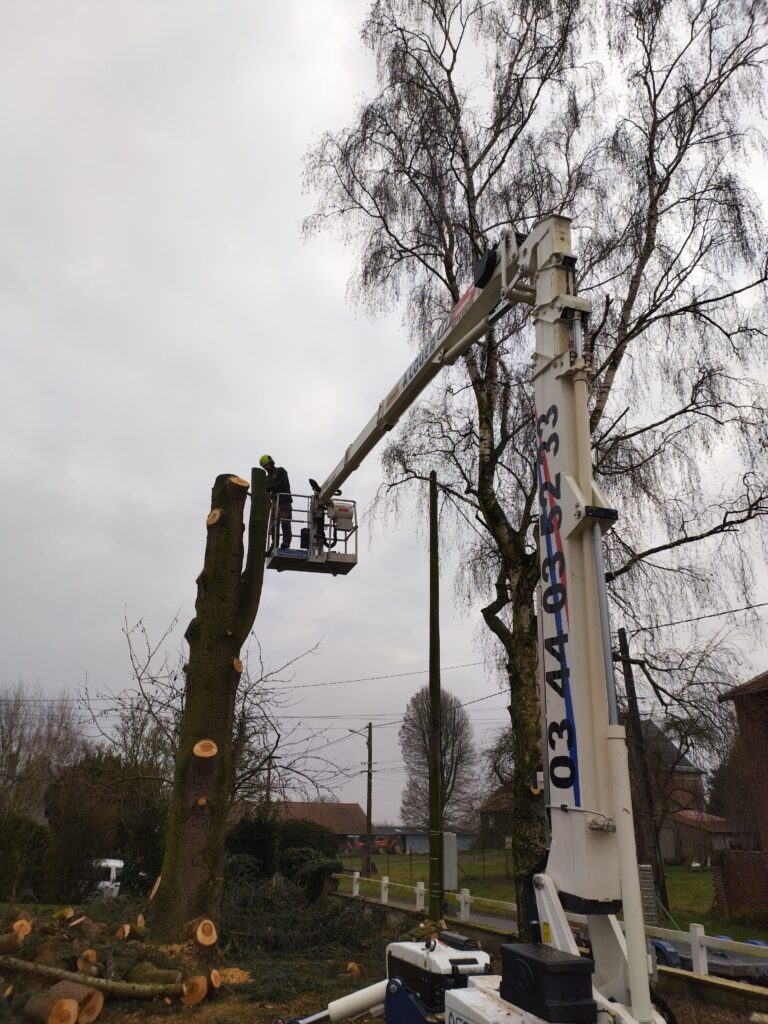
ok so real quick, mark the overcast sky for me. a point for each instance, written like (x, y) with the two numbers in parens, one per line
(162, 322)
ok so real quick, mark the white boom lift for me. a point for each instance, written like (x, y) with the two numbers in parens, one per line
(592, 863)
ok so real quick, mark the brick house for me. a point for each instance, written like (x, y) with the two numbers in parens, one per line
(741, 876)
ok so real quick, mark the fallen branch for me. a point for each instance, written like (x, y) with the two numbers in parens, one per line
(116, 988)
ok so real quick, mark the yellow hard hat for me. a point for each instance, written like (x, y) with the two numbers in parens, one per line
(265, 459)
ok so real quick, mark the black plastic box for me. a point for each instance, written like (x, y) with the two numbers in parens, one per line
(553, 985)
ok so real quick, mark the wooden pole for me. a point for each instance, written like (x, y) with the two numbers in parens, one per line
(369, 804)
(435, 724)
(649, 850)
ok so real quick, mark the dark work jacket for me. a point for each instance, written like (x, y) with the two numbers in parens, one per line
(278, 483)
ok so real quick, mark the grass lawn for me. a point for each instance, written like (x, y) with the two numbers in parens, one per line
(691, 893)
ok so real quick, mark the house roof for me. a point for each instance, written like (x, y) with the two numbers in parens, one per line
(666, 748)
(702, 820)
(757, 685)
(343, 819)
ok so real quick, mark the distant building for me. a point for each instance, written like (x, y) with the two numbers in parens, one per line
(416, 840)
(344, 820)
(741, 876)
(700, 834)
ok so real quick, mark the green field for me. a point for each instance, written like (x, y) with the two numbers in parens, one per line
(691, 893)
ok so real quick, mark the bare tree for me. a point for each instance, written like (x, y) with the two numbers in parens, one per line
(272, 756)
(422, 182)
(39, 735)
(458, 779)
(437, 163)
(498, 759)
(676, 265)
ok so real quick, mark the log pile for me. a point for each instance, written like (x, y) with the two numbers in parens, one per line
(59, 969)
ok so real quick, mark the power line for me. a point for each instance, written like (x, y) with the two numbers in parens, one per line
(700, 618)
(291, 686)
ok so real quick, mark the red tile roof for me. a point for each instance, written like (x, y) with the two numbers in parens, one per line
(702, 820)
(343, 819)
(756, 685)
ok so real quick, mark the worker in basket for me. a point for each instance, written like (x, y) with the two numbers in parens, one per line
(279, 491)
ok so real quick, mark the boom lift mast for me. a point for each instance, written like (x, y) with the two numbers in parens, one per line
(592, 864)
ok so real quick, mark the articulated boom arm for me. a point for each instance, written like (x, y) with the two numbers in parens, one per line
(592, 864)
(501, 277)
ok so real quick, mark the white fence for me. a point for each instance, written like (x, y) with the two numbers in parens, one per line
(696, 937)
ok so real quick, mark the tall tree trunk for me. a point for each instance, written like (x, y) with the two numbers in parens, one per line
(529, 839)
(226, 606)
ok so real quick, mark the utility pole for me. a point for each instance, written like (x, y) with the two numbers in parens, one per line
(648, 851)
(435, 724)
(369, 804)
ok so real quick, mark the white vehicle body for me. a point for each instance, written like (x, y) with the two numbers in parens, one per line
(110, 869)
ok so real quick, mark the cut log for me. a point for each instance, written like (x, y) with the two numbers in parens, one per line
(23, 925)
(214, 978)
(10, 942)
(202, 801)
(12, 965)
(87, 928)
(214, 517)
(87, 958)
(123, 932)
(140, 921)
(238, 666)
(153, 891)
(46, 1008)
(239, 482)
(148, 974)
(205, 748)
(195, 990)
(204, 931)
(89, 1001)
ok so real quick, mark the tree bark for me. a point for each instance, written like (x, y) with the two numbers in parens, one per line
(227, 602)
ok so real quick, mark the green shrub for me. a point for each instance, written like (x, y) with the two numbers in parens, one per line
(256, 837)
(300, 833)
(309, 869)
(23, 858)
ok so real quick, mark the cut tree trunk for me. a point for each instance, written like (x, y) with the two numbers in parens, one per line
(89, 1001)
(227, 601)
(46, 1008)
(195, 990)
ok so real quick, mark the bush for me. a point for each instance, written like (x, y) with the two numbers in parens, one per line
(23, 858)
(257, 838)
(276, 917)
(309, 869)
(300, 833)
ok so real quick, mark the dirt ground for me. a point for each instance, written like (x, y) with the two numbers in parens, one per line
(229, 1007)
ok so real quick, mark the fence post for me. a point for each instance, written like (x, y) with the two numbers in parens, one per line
(419, 895)
(355, 883)
(464, 905)
(698, 950)
(385, 888)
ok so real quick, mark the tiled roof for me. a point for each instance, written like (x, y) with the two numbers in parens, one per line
(756, 685)
(702, 820)
(342, 819)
